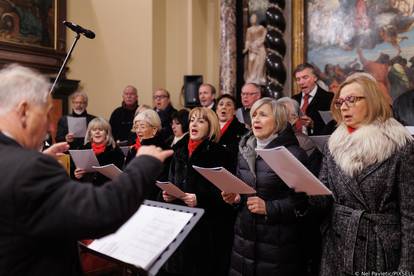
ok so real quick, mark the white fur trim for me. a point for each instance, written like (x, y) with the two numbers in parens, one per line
(367, 145)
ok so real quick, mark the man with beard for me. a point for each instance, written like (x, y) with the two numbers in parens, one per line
(79, 104)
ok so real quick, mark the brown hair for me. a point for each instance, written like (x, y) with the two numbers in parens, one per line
(378, 107)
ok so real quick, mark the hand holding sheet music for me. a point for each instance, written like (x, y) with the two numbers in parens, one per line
(292, 171)
(171, 189)
(225, 180)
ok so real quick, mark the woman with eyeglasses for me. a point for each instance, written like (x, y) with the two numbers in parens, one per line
(369, 167)
(147, 125)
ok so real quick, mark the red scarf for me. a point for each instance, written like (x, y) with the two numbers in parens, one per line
(350, 129)
(137, 144)
(226, 126)
(98, 148)
(192, 145)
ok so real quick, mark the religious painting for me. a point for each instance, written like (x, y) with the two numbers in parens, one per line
(374, 36)
(28, 22)
(32, 33)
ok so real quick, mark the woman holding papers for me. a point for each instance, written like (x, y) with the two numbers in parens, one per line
(267, 231)
(231, 130)
(206, 251)
(368, 165)
(99, 139)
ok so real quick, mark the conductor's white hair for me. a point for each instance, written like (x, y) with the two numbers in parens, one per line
(18, 83)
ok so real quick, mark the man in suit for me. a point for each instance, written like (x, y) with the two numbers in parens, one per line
(250, 93)
(162, 105)
(44, 213)
(311, 99)
(207, 96)
(79, 105)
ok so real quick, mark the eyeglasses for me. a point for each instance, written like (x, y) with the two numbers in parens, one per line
(349, 101)
(159, 97)
(244, 94)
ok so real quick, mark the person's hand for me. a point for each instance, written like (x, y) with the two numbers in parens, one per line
(306, 121)
(69, 137)
(230, 198)
(190, 200)
(79, 173)
(256, 205)
(155, 152)
(167, 197)
(57, 149)
(300, 202)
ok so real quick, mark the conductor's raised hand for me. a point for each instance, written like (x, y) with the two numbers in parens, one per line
(154, 151)
(57, 149)
(230, 198)
(256, 205)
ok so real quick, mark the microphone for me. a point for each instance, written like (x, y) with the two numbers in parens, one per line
(78, 29)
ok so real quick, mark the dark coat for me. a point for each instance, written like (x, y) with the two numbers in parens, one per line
(230, 141)
(155, 141)
(62, 130)
(206, 250)
(371, 226)
(271, 244)
(165, 117)
(321, 102)
(121, 122)
(44, 213)
(109, 156)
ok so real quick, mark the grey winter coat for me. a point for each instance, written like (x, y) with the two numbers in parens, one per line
(371, 226)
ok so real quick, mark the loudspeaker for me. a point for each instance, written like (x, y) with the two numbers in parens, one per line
(191, 85)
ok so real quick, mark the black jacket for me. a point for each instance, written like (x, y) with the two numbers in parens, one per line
(230, 141)
(271, 244)
(155, 141)
(121, 121)
(109, 156)
(165, 116)
(321, 102)
(44, 213)
(206, 250)
(62, 129)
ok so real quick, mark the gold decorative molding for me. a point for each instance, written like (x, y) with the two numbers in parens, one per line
(298, 32)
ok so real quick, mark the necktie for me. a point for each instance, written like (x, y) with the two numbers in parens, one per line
(305, 103)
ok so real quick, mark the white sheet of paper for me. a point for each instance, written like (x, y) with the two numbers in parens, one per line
(170, 188)
(125, 150)
(84, 159)
(111, 171)
(410, 129)
(326, 116)
(225, 180)
(77, 126)
(292, 172)
(320, 141)
(143, 238)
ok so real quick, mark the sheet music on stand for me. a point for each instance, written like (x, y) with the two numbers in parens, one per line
(137, 243)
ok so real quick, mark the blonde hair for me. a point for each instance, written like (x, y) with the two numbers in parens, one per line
(212, 119)
(149, 116)
(279, 111)
(100, 123)
(377, 106)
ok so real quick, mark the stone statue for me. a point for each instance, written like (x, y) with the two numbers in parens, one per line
(254, 71)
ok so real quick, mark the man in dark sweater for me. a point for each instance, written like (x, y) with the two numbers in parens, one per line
(122, 117)
(79, 105)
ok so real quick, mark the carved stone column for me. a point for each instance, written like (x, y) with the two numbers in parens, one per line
(228, 45)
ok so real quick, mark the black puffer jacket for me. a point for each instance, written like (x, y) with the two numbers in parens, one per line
(267, 245)
(206, 250)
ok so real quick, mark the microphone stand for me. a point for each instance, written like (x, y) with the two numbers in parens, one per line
(64, 63)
